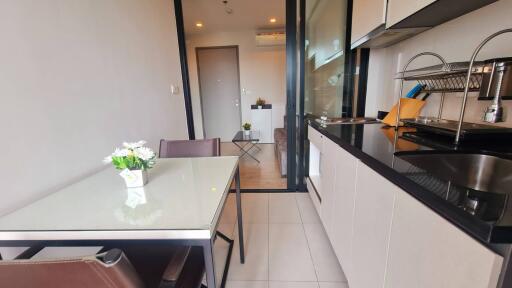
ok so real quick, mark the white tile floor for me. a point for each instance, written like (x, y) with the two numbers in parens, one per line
(286, 245)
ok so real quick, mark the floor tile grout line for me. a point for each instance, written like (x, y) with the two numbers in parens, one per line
(310, 253)
(307, 240)
(298, 207)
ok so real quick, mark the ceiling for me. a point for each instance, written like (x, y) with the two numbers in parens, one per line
(247, 15)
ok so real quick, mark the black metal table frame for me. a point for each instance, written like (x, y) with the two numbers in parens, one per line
(206, 244)
(252, 143)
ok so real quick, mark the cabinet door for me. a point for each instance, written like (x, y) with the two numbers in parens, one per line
(315, 137)
(401, 9)
(262, 122)
(428, 251)
(367, 15)
(373, 210)
(343, 211)
(315, 159)
(327, 178)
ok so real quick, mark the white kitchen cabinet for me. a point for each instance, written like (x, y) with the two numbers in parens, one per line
(383, 237)
(428, 251)
(366, 16)
(322, 173)
(343, 208)
(373, 211)
(314, 182)
(315, 138)
(401, 9)
(327, 178)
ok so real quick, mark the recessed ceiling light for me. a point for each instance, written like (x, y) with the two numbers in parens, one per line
(273, 20)
(199, 24)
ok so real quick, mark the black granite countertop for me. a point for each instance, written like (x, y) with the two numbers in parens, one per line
(374, 145)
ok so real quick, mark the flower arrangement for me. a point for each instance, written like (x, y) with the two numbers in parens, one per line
(246, 126)
(260, 101)
(134, 160)
(133, 156)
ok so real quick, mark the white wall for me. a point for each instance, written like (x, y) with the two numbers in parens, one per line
(77, 78)
(455, 41)
(262, 74)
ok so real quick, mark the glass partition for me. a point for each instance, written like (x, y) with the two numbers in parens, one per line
(325, 58)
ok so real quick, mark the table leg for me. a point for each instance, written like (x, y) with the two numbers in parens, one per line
(209, 263)
(246, 151)
(239, 216)
(256, 146)
(242, 148)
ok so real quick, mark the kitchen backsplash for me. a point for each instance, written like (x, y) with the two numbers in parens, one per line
(474, 111)
(455, 41)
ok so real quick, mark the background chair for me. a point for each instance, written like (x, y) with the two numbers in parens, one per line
(189, 148)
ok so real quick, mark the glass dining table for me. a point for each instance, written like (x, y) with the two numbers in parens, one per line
(181, 205)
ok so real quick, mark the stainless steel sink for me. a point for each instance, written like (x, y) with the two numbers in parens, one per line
(476, 171)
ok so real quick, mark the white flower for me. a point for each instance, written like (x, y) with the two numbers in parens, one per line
(144, 153)
(134, 144)
(121, 152)
(108, 159)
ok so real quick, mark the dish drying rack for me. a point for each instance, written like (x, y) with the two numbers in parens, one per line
(447, 78)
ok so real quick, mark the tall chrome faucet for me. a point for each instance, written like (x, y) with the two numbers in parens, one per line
(494, 113)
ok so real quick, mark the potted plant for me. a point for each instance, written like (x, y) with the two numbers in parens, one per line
(260, 102)
(133, 160)
(247, 128)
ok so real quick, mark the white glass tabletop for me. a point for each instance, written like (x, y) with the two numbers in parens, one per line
(182, 194)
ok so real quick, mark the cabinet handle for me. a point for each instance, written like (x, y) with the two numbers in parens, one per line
(320, 164)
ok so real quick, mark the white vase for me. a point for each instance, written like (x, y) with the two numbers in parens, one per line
(247, 132)
(259, 106)
(134, 178)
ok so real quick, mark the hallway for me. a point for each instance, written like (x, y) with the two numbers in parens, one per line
(254, 175)
(286, 245)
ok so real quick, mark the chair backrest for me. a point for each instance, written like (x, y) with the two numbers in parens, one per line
(106, 270)
(189, 148)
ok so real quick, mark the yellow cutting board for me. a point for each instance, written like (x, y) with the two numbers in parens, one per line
(410, 108)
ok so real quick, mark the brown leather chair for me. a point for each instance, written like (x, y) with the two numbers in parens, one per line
(105, 270)
(151, 266)
(189, 148)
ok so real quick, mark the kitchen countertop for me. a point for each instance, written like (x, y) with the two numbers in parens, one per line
(373, 145)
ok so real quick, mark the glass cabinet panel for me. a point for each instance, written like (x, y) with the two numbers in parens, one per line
(325, 57)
